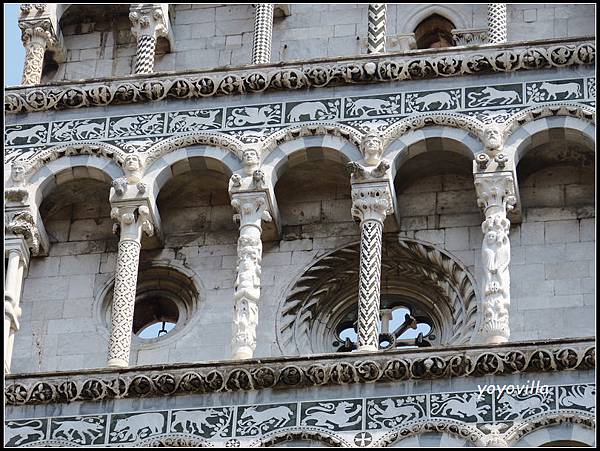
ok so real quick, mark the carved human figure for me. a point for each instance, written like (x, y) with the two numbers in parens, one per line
(133, 168)
(492, 137)
(495, 253)
(251, 161)
(17, 173)
(371, 147)
(248, 278)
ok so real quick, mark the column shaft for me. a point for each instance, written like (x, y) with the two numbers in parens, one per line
(144, 57)
(263, 29)
(35, 47)
(369, 285)
(376, 32)
(12, 297)
(497, 23)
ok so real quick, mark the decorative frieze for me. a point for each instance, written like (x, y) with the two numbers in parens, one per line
(387, 68)
(477, 417)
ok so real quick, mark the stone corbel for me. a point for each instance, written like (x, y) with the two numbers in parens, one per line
(282, 10)
(153, 20)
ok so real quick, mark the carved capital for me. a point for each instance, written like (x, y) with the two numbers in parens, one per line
(38, 32)
(23, 223)
(496, 192)
(132, 220)
(251, 209)
(371, 201)
(149, 20)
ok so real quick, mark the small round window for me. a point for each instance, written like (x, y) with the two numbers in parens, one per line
(154, 317)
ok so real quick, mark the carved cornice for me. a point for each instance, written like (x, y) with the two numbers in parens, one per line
(292, 373)
(316, 74)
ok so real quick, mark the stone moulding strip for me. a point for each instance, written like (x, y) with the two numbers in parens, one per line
(531, 55)
(297, 372)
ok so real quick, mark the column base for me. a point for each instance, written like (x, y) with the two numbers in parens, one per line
(368, 348)
(243, 352)
(117, 363)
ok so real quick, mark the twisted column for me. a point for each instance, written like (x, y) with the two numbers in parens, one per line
(496, 23)
(35, 40)
(144, 55)
(371, 202)
(263, 29)
(496, 196)
(376, 32)
(132, 220)
(251, 210)
(149, 22)
(18, 258)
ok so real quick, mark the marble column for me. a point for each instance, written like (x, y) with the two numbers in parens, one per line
(496, 197)
(251, 210)
(263, 30)
(371, 202)
(35, 40)
(17, 252)
(149, 21)
(132, 221)
(376, 33)
(496, 23)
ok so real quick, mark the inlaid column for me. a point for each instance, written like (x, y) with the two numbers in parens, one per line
(371, 202)
(496, 23)
(496, 196)
(251, 210)
(17, 252)
(376, 33)
(149, 22)
(263, 30)
(35, 40)
(132, 221)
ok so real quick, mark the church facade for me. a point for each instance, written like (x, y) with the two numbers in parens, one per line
(301, 225)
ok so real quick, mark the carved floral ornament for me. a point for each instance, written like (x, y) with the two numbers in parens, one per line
(327, 370)
(377, 69)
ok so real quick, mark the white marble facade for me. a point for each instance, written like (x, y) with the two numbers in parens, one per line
(258, 217)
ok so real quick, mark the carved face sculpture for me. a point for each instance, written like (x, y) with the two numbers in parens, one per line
(372, 148)
(133, 163)
(251, 160)
(491, 237)
(492, 137)
(17, 172)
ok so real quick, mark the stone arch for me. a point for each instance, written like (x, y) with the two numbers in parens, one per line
(42, 181)
(424, 12)
(525, 127)
(324, 436)
(317, 140)
(404, 146)
(324, 286)
(160, 170)
(52, 443)
(567, 425)
(222, 141)
(451, 427)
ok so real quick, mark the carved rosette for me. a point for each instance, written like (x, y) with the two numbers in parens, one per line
(263, 29)
(496, 196)
(132, 221)
(251, 210)
(35, 40)
(371, 202)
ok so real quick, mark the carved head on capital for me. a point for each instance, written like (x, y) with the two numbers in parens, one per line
(133, 165)
(251, 161)
(371, 147)
(17, 173)
(492, 137)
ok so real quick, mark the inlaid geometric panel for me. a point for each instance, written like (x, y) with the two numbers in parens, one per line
(553, 91)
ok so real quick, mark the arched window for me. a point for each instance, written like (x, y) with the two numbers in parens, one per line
(434, 32)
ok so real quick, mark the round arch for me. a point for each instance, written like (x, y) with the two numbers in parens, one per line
(536, 132)
(424, 12)
(278, 437)
(69, 168)
(453, 428)
(306, 148)
(569, 426)
(181, 161)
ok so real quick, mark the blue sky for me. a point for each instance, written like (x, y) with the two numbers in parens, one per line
(14, 53)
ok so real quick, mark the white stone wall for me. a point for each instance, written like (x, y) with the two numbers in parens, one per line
(209, 35)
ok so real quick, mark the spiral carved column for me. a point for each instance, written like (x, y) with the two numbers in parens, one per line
(496, 23)
(263, 30)
(149, 21)
(371, 202)
(144, 56)
(251, 210)
(496, 196)
(132, 221)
